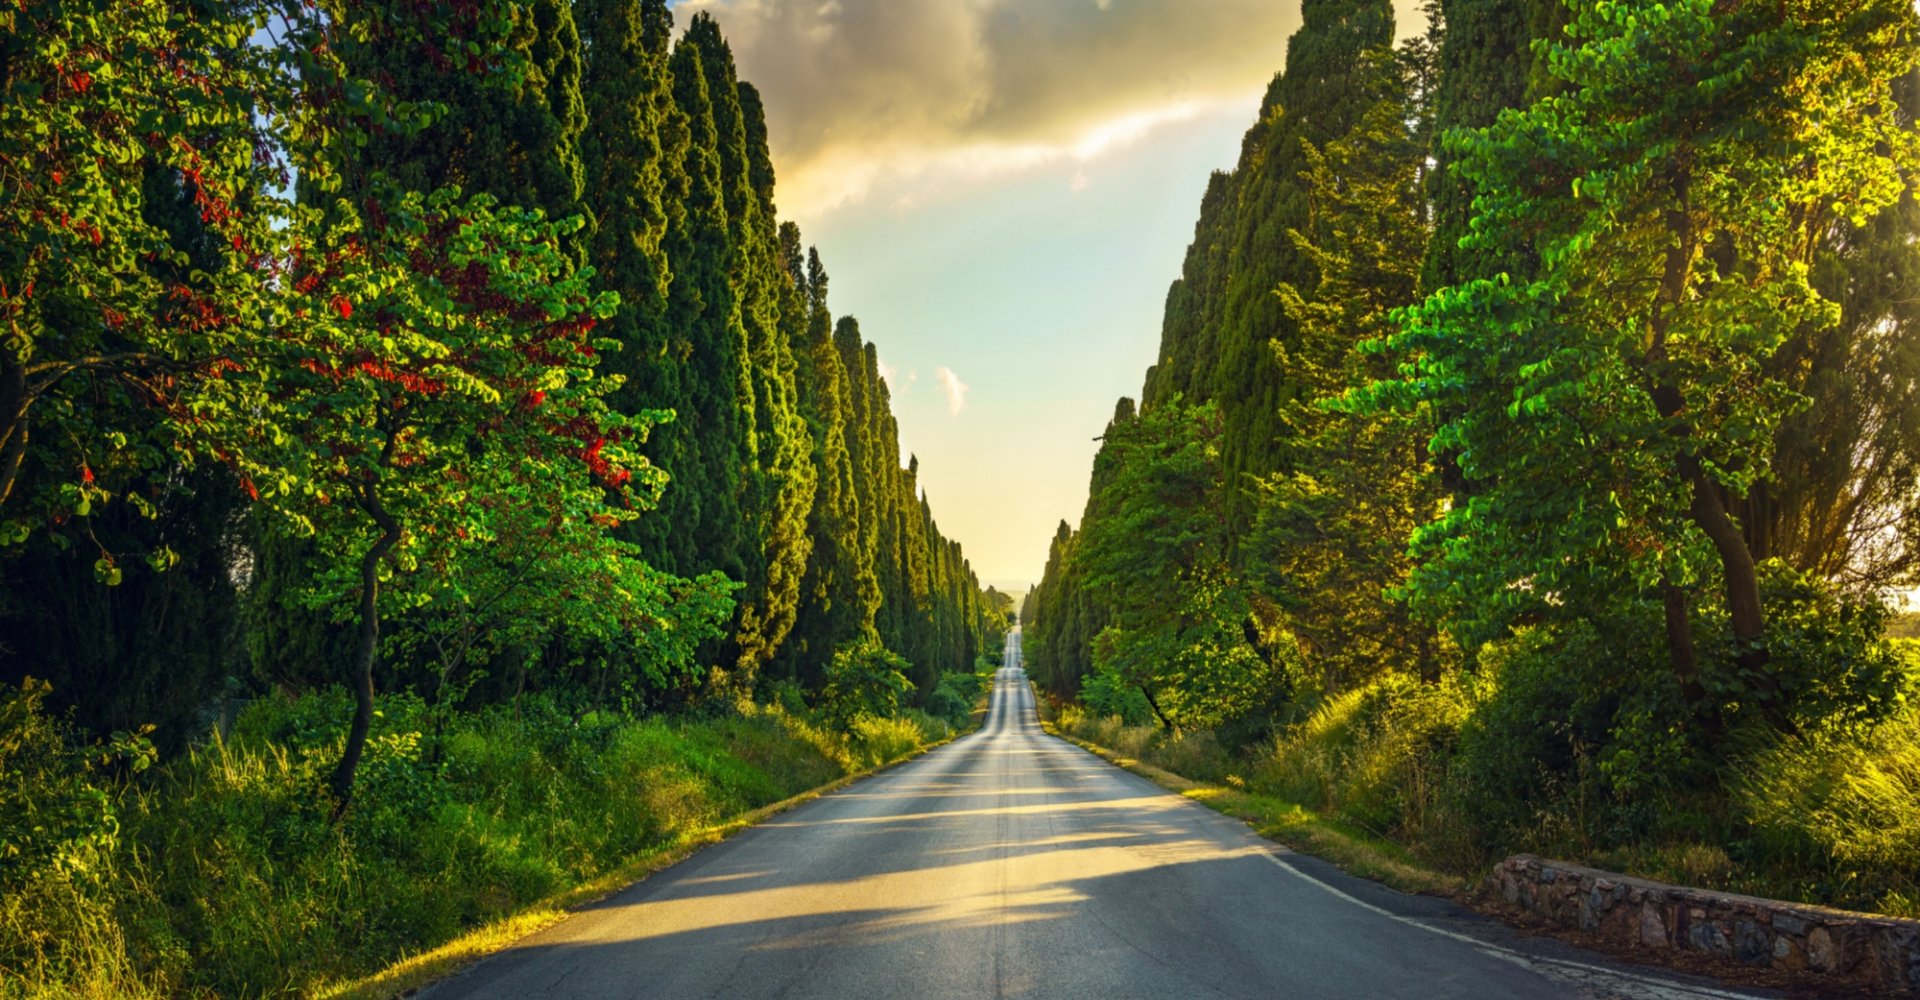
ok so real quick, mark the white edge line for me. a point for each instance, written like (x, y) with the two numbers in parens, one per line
(1496, 951)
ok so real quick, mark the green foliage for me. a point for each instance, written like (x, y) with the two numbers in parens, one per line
(1191, 652)
(226, 874)
(864, 679)
(955, 695)
(1832, 666)
(1106, 694)
(1329, 542)
(1842, 501)
(62, 850)
(1843, 806)
(120, 320)
(1379, 756)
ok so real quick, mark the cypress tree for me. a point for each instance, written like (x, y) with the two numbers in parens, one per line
(831, 608)
(1190, 331)
(514, 135)
(1485, 66)
(704, 449)
(778, 481)
(632, 143)
(862, 443)
(1308, 103)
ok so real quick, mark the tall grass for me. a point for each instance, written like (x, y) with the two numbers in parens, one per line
(1832, 817)
(223, 873)
(1844, 809)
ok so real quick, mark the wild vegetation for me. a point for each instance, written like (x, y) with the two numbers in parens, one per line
(430, 474)
(1530, 456)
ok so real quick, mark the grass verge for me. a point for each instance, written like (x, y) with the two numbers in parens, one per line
(222, 874)
(417, 972)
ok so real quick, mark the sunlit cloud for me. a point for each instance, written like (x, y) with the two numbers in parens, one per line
(955, 390)
(880, 97)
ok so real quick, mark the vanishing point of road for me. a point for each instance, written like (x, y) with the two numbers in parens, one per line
(1010, 863)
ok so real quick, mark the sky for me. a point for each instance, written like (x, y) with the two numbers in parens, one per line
(1001, 192)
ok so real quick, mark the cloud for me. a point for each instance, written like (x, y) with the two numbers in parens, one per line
(866, 95)
(955, 389)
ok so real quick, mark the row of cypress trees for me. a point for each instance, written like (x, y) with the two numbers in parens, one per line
(1342, 208)
(783, 452)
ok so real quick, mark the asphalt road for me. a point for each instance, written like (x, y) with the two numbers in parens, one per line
(1012, 864)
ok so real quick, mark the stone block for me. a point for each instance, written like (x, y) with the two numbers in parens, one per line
(1752, 943)
(1789, 954)
(1823, 955)
(1790, 923)
(1653, 926)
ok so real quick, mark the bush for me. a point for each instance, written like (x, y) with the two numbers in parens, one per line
(864, 678)
(1381, 757)
(955, 695)
(1104, 695)
(61, 855)
(1830, 664)
(883, 740)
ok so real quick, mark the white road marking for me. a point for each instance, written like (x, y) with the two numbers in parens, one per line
(1624, 985)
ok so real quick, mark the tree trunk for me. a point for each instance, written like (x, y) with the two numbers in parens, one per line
(13, 433)
(1742, 578)
(1165, 723)
(369, 646)
(1707, 510)
(1686, 662)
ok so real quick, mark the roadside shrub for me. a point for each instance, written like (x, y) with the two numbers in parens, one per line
(1829, 664)
(881, 739)
(61, 847)
(955, 695)
(1103, 695)
(864, 678)
(1379, 756)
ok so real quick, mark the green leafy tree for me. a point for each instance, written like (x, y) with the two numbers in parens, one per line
(117, 324)
(1604, 408)
(1183, 627)
(433, 380)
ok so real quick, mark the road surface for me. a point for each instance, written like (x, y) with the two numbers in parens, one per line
(1012, 864)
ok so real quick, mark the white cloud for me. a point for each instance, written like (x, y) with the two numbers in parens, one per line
(898, 382)
(955, 389)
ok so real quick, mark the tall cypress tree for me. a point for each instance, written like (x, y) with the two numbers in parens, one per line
(832, 606)
(514, 135)
(1308, 103)
(704, 343)
(776, 480)
(632, 144)
(1486, 65)
(862, 444)
(1190, 331)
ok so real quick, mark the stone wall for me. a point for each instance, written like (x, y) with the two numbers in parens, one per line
(1856, 947)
